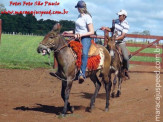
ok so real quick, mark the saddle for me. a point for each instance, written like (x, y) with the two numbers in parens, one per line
(93, 50)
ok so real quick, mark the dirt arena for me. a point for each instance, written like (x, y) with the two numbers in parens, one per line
(34, 96)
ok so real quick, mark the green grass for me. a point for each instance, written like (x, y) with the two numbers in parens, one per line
(145, 59)
(147, 50)
(141, 58)
(17, 51)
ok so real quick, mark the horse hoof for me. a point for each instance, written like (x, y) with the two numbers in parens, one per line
(118, 94)
(106, 109)
(62, 115)
(113, 95)
(92, 107)
(72, 109)
(89, 109)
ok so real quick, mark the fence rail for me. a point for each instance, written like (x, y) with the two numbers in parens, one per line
(144, 36)
(138, 53)
(138, 45)
(142, 46)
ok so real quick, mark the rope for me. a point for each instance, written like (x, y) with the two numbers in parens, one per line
(49, 60)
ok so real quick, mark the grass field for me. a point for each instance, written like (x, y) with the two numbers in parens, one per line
(145, 59)
(18, 51)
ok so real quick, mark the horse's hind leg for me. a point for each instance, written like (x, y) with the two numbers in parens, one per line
(114, 84)
(107, 89)
(66, 87)
(97, 88)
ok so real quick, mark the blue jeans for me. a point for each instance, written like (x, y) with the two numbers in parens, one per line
(86, 42)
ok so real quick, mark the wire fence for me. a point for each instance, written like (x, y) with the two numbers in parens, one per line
(23, 34)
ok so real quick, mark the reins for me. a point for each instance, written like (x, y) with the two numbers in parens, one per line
(58, 50)
(66, 45)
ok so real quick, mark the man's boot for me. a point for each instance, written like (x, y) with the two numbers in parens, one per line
(127, 74)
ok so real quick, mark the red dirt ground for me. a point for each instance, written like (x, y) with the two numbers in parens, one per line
(34, 96)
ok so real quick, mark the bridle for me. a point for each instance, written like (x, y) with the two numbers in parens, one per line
(52, 45)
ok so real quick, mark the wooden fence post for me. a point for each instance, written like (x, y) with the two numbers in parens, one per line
(162, 58)
(0, 29)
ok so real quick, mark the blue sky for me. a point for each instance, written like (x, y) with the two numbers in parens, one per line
(142, 14)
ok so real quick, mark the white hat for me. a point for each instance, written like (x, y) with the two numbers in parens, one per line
(122, 12)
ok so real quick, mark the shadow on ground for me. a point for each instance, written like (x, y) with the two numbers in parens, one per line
(46, 108)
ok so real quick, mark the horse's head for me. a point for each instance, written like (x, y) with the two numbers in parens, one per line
(111, 44)
(50, 41)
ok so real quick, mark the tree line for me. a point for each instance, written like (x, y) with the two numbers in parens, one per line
(29, 24)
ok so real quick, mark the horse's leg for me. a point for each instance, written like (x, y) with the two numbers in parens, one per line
(119, 87)
(114, 84)
(97, 88)
(66, 87)
(108, 89)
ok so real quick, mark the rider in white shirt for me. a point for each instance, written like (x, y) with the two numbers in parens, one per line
(121, 28)
(83, 29)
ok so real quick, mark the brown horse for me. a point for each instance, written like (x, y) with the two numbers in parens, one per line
(116, 65)
(68, 69)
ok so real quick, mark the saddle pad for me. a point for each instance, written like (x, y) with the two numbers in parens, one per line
(101, 63)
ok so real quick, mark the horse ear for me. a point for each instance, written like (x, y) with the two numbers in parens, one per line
(57, 27)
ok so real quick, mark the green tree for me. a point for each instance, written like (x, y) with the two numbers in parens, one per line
(67, 25)
(146, 32)
(29, 24)
(30, 21)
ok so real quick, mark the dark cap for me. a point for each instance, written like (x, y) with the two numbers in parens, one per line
(80, 4)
